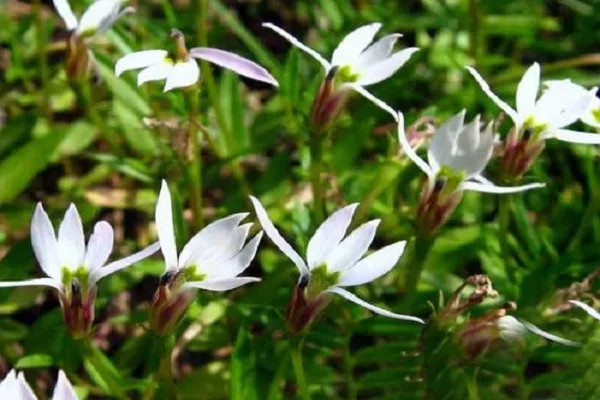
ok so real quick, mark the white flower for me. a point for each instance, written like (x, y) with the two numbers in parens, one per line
(97, 19)
(548, 115)
(336, 259)
(570, 92)
(588, 309)
(359, 62)
(15, 387)
(183, 70)
(66, 258)
(512, 330)
(214, 257)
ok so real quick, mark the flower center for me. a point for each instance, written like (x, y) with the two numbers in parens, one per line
(75, 282)
(320, 280)
(596, 114)
(448, 180)
(532, 129)
(344, 74)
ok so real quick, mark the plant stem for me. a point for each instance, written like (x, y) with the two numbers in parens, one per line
(385, 174)
(296, 354)
(316, 164)
(413, 261)
(195, 164)
(474, 30)
(165, 377)
(472, 383)
(504, 230)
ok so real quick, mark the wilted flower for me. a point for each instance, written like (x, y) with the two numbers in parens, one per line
(15, 387)
(211, 260)
(355, 63)
(334, 261)
(181, 70)
(71, 268)
(588, 309)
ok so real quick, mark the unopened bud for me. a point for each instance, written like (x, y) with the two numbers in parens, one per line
(79, 61)
(328, 102)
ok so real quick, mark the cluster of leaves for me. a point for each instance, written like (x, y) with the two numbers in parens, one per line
(109, 159)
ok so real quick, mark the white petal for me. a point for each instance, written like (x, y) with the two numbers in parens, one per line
(63, 389)
(373, 266)
(71, 241)
(224, 249)
(527, 90)
(377, 310)
(25, 391)
(277, 239)
(220, 285)
(558, 109)
(118, 265)
(9, 385)
(486, 188)
(295, 42)
(237, 264)
(547, 335)
(570, 136)
(377, 52)
(214, 240)
(64, 10)
(50, 282)
(329, 235)
(508, 110)
(99, 246)
(353, 247)
(369, 96)
(408, 150)
(443, 141)
(155, 72)
(183, 74)
(43, 241)
(384, 69)
(141, 59)
(354, 43)
(588, 309)
(164, 226)
(99, 16)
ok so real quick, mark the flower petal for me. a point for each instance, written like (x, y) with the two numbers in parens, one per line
(182, 75)
(71, 241)
(43, 241)
(9, 385)
(99, 16)
(66, 13)
(63, 389)
(443, 142)
(118, 265)
(140, 59)
(588, 309)
(329, 235)
(237, 264)
(548, 335)
(373, 266)
(377, 52)
(558, 108)
(155, 72)
(352, 248)
(277, 239)
(220, 285)
(99, 246)
(384, 69)
(164, 226)
(50, 282)
(508, 110)
(570, 136)
(527, 90)
(407, 148)
(26, 393)
(486, 188)
(223, 249)
(377, 310)
(295, 42)
(353, 44)
(235, 63)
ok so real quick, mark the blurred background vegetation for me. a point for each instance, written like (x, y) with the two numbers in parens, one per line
(108, 157)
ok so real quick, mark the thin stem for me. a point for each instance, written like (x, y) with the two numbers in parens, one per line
(316, 164)
(165, 377)
(413, 260)
(504, 229)
(472, 384)
(474, 30)
(296, 354)
(195, 164)
(275, 386)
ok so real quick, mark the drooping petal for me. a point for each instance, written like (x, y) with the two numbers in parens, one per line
(527, 90)
(510, 329)
(99, 16)
(548, 335)
(43, 241)
(66, 13)
(220, 285)
(377, 310)
(63, 389)
(588, 309)
(384, 69)
(235, 63)
(352, 248)
(407, 148)
(164, 226)
(508, 110)
(377, 52)
(99, 246)
(277, 239)
(118, 265)
(25, 391)
(50, 282)
(486, 188)
(570, 136)
(140, 59)
(329, 235)
(373, 266)
(237, 264)
(215, 239)
(295, 42)
(155, 72)
(183, 74)
(353, 44)
(71, 241)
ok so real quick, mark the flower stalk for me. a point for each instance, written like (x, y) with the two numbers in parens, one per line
(195, 159)
(414, 261)
(296, 356)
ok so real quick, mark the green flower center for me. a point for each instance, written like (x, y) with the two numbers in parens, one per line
(75, 280)
(532, 129)
(345, 75)
(449, 179)
(596, 114)
(191, 274)
(320, 280)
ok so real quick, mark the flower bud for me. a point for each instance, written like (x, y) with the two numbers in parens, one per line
(79, 59)
(328, 102)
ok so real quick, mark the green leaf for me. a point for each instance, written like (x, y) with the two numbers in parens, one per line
(35, 361)
(243, 368)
